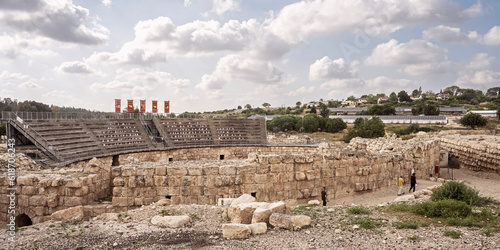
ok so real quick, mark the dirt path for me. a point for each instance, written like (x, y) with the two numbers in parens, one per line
(487, 183)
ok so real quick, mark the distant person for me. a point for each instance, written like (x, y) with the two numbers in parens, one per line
(400, 184)
(323, 196)
(413, 182)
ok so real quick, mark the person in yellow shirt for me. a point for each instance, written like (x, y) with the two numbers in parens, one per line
(400, 184)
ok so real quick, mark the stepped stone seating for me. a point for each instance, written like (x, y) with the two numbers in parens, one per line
(67, 137)
(119, 135)
(203, 132)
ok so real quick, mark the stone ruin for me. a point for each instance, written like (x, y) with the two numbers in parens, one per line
(292, 174)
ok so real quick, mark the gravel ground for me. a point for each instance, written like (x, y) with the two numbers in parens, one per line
(333, 227)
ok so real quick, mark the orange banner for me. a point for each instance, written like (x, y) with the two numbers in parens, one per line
(130, 106)
(118, 105)
(167, 107)
(155, 107)
(143, 106)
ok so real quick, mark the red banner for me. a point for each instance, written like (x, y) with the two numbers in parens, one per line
(143, 106)
(155, 107)
(167, 107)
(118, 105)
(130, 106)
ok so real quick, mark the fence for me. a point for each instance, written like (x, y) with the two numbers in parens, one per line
(9, 115)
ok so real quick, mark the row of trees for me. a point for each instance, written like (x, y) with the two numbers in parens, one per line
(309, 123)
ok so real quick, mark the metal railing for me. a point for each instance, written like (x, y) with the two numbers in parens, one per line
(25, 129)
(10, 115)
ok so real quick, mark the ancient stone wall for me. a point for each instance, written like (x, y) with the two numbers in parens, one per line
(215, 153)
(40, 193)
(289, 177)
(476, 152)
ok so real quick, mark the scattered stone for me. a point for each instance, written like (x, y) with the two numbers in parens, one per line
(236, 231)
(313, 202)
(170, 221)
(74, 213)
(258, 228)
(164, 202)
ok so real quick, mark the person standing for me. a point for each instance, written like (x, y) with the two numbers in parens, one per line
(400, 184)
(413, 182)
(323, 196)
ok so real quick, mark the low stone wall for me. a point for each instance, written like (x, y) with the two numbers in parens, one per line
(293, 178)
(476, 152)
(40, 193)
(214, 153)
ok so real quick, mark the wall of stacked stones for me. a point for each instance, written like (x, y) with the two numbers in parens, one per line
(214, 153)
(476, 152)
(40, 193)
(271, 177)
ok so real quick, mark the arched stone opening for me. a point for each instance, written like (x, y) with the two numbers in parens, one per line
(23, 220)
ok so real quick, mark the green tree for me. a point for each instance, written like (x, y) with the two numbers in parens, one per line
(297, 104)
(473, 120)
(323, 110)
(498, 112)
(310, 123)
(380, 110)
(403, 96)
(248, 106)
(313, 110)
(266, 105)
(393, 98)
(239, 106)
(283, 123)
(367, 128)
(452, 90)
(335, 125)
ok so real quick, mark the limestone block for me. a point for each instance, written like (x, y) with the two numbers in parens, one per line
(300, 221)
(161, 171)
(52, 200)
(280, 220)
(408, 197)
(225, 202)
(262, 169)
(244, 198)
(243, 213)
(227, 170)
(427, 191)
(164, 202)
(262, 213)
(107, 217)
(313, 202)
(236, 231)
(258, 228)
(74, 183)
(28, 190)
(74, 213)
(177, 171)
(419, 194)
(38, 200)
(195, 171)
(120, 201)
(261, 178)
(211, 171)
(82, 191)
(128, 171)
(118, 182)
(138, 201)
(73, 201)
(223, 180)
(24, 181)
(170, 221)
(300, 176)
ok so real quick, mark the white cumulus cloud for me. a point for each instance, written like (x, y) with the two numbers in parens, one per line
(75, 67)
(237, 68)
(418, 57)
(492, 37)
(58, 20)
(446, 34)
(222, 6)
(326, 68)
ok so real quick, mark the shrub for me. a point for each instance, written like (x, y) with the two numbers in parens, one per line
(458, 191)
(335, 125)
(405, 224)
(366, 128)
(368, 223)
(358, 210)
(473, 120)
(443, 208)
(452, 233)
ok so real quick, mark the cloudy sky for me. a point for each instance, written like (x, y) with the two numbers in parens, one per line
(205, 55)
